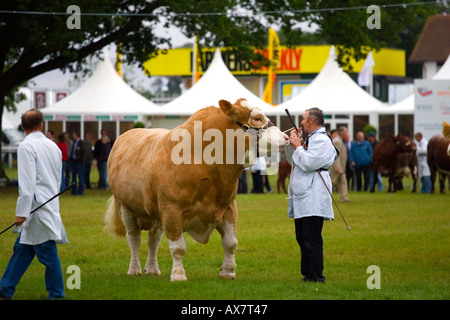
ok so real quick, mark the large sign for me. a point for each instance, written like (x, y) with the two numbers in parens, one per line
(432, 106)
(40, 99)
(292, 60)
(289, 89)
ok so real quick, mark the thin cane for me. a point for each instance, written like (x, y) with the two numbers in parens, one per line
(334, 201)
(34, 210)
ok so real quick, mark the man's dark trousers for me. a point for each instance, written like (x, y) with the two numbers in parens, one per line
(308, 231)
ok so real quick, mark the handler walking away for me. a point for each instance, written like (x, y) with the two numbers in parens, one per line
(39, 163)
(309, 201)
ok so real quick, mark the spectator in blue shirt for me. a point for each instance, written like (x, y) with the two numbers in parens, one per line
(361, 158)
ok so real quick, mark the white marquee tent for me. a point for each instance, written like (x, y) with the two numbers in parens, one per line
(103, 97)
(334, 91)
(340, 98)
(216, 83)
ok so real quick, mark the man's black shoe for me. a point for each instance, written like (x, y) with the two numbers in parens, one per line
(3, 297)
(310, 279)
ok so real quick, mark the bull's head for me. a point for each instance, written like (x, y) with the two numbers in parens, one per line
(265, 137)
(405, 144)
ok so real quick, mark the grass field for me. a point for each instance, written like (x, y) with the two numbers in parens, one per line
(406, 235)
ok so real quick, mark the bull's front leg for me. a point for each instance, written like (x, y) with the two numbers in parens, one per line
(177, 250)
(227, 229)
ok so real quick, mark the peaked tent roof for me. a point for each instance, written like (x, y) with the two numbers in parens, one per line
(444, 71)
(104, 93)
(333, 91)
(216, 83)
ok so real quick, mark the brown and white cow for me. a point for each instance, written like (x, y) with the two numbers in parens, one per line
(395, 157)
(161, 183)
(446, 133)
(438, 160)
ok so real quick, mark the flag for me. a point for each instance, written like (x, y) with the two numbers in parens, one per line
(164, 84)
(365, 75)
(274, 58)
(198, 61)
(118, 64)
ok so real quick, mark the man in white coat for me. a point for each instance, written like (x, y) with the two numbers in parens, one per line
(424, 169)
(39, 169)
(309, 201)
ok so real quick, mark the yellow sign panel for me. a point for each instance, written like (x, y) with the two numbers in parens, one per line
(293, 60)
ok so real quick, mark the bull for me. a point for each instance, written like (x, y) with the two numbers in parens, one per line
(160, 182)
(395, 157)
(438, 159)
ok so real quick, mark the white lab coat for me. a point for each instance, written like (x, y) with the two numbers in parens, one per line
(422, 164)
(308, 195)
(39, 163)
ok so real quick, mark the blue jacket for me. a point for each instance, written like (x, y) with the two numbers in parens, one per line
(361, 153)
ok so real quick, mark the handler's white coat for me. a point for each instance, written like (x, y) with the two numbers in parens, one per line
(39, 169)
(424, 169)
(308, 195)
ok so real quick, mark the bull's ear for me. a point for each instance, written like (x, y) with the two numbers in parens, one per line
(229, 109)
(225, 106)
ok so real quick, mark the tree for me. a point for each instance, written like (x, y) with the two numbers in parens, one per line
(39, 36)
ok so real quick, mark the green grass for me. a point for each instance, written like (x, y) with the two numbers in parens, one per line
(405, 234)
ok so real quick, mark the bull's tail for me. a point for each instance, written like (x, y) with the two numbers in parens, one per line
(113, 219)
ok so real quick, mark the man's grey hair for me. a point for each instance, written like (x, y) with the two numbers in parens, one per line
(317, 115)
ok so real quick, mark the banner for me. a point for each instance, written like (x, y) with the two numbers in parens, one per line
(198, 61)
(59, 95)
(308, 59)
(118, 64)
(432, 106)
(274, 58)
(40, 99)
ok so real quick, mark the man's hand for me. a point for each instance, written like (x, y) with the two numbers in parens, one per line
(20, 220)
(295, 140)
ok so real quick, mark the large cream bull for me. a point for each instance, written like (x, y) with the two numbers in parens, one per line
(185, 180)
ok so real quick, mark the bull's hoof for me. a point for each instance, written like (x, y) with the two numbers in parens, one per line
(134, 273)
(134, 269)
(174, 278)
(228, 275)
(155, 272)
(178, 275)
(152, 269)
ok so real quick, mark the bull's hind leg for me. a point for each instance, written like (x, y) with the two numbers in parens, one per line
(227, 229)
(134, 240)
(154, 238)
